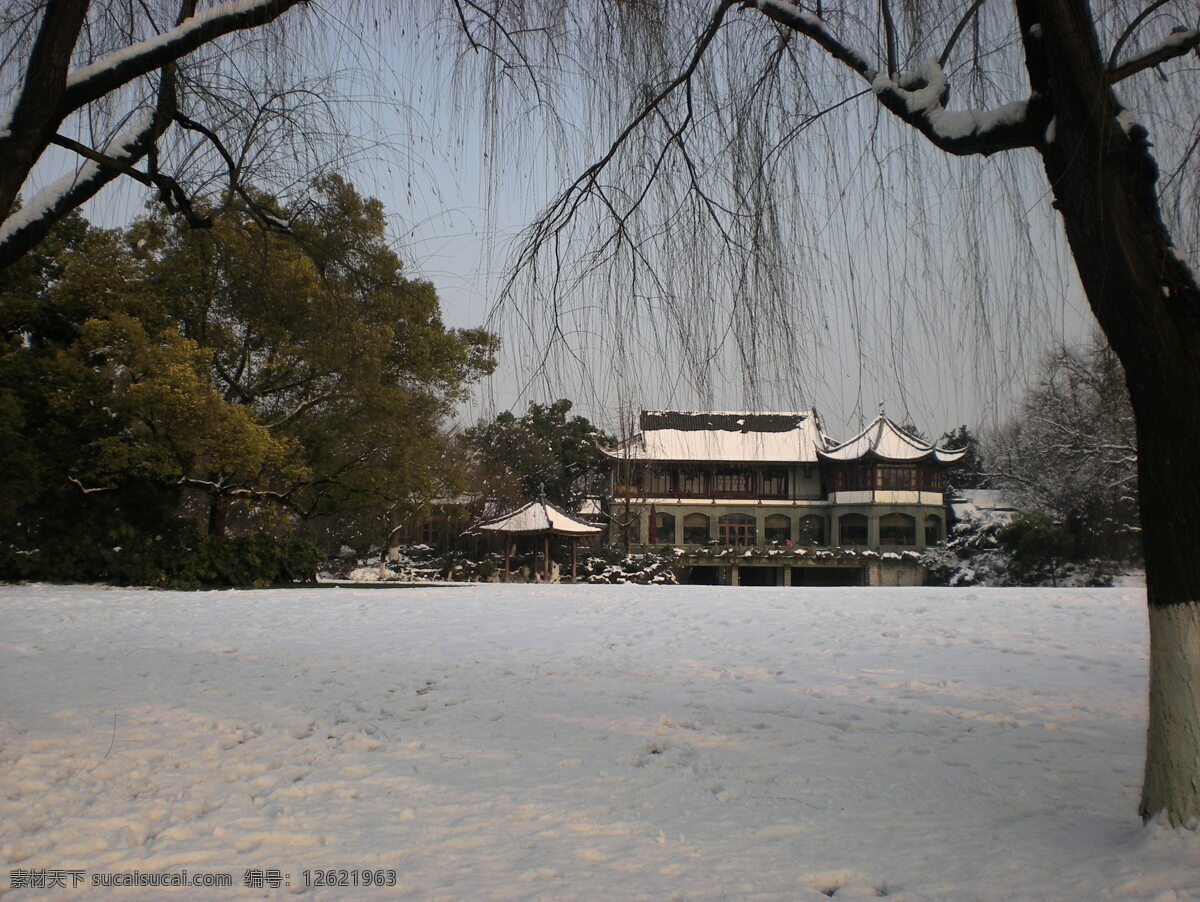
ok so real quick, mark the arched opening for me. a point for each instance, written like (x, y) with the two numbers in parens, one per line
(852, 529)
(811, 530)
(736, 529)
(777, 529)
(696, 529)
(897, 529)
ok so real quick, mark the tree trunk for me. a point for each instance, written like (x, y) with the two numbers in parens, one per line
(1148, 305)
(1173, 739)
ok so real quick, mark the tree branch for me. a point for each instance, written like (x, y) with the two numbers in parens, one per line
(24, 228)
(1180, 42)
(958, 30)
(889, 32)
(169, 189)
(32, 121)
(1131, 28)
(919, 98)
(106, 75)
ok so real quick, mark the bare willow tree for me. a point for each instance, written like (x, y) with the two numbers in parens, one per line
(753, 129)
(193, 100)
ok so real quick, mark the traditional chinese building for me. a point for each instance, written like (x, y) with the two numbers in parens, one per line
(770, 499)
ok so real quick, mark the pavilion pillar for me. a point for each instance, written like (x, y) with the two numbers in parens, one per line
(546, 562)
(507, 549)
(574, 574)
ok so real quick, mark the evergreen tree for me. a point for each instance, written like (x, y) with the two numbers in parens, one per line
(242, 381)
(969, 472)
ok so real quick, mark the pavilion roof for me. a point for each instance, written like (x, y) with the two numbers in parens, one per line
(537, 518)
(884, 440)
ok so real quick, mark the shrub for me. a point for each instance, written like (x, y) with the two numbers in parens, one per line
(178, 557)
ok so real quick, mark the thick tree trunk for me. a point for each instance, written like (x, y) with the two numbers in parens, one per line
(1172, 780)
(1148, 304)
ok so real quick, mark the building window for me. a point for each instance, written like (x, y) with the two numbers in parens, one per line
(931, 479)
(693, 483)
(852, 529)
(664, 532)
(658, 482)
(775, 483)
(896, 477)
(732, 483)
(628, 479)
(933, 529)
(897, 529)
(853, 477)
(736, 529)
(811, 530)
(696, 529)
(777, 528)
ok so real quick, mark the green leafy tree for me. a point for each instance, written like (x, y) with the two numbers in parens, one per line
(321, 334)
(240, 380)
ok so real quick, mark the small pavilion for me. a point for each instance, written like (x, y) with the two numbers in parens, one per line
(538, 518)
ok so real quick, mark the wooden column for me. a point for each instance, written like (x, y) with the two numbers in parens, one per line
(574, 574)
(506, 558)
(546, 563)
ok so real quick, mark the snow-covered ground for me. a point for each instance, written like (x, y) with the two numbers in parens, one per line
(584, 743)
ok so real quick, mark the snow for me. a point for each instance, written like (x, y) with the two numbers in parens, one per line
(927, 100)
(799, 444)
(577, 742)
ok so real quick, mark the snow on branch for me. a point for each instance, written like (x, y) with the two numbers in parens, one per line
(69, 191)
(919, 98)
(105, 75)
(1178, 43)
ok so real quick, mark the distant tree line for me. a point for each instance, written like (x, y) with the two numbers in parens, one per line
(192, 407)
(542, 453)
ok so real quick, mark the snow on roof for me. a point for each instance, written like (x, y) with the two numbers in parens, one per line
(538, 517)
(739, 437)
(887, 441)
(724, 437)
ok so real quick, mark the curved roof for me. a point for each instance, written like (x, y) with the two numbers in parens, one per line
(535, 518)
(887, 441)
